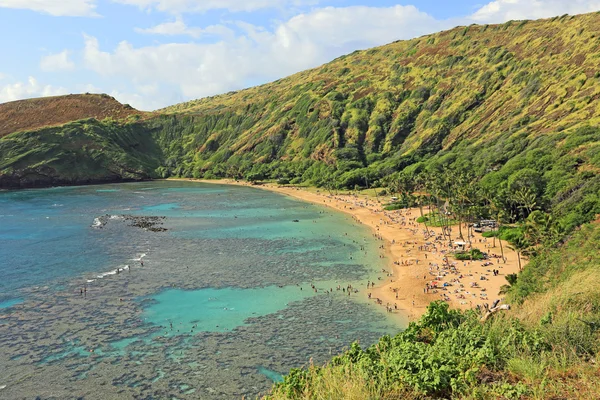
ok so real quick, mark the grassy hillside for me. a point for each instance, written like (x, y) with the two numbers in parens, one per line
(489, 99)
(25, 115)
(471, 86)
(80, 152)
(518, 102)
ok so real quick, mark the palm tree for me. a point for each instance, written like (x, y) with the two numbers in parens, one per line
(497, 211)
(464, 195)
(499, 217)
(526, 200)
(541, 227)
(520, 245)
(420, 199)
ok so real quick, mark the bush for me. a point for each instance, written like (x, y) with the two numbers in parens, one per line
(474, 254)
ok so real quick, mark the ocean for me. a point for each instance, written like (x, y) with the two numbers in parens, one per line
(175, 289)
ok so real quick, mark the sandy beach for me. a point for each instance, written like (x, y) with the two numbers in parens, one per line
(418, 272)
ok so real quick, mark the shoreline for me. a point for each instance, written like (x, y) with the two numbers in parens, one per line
(413, 261)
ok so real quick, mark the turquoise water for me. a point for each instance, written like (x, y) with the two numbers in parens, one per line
(221, 307)
(272, 375)
(10, 303)
(218, 310)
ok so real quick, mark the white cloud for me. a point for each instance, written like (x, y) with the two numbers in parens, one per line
(140, 102)
(57, 62)
(505, 10)
(158, 75)
(181, 6)
(258, 55)
(70, 8)
(178, 27)
(360, 24)
(29, 89)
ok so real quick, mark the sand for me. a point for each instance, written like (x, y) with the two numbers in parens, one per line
(415, 259)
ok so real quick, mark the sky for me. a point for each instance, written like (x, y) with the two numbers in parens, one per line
(155, 53)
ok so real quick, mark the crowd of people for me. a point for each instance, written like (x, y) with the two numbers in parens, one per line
(429, 254)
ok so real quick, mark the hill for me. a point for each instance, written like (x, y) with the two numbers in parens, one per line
(494, 121)
(30, 114)
(517, 102)
(73, 139)
(469, 84)
(489, 93)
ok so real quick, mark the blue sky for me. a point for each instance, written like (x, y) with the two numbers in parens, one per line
(153, 53)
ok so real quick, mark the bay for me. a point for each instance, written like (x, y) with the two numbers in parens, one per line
(237, 286)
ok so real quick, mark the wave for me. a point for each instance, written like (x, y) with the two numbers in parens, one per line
(113, 272)
(97, 223)
(121, 268)
(109, 273)
(140, 258)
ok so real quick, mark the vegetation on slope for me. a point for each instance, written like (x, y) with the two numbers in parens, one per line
(25, 115)
(502, 101)
(515, 105)
(471, 87)
(80, 152)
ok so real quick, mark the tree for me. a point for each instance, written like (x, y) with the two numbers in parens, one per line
(526, 201)
(497, 208)
(520, 245)
(420, 199)
(541, 228)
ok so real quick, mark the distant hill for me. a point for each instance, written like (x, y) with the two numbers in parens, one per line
(24, 115)
(516, 104)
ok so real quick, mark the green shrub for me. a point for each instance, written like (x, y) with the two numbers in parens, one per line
(474, 254)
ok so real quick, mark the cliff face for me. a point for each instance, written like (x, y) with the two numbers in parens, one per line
(81, 152)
